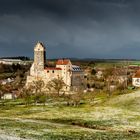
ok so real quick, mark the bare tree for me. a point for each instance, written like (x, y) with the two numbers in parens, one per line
(1, 91)
(56, 85)
(26, 94)
(37, 87)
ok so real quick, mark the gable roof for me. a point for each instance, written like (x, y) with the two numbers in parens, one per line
(137, 74)
(52, 68)
(62, 62)
(39, 45)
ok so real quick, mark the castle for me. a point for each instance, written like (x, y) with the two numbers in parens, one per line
(72, 75)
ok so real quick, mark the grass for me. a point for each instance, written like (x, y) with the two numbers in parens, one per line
(6, 75)
(116, 119)
(136, 63)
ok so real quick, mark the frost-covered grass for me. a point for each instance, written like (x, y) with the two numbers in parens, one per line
(118, 118)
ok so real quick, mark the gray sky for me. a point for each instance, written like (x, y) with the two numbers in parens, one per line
(71, 28)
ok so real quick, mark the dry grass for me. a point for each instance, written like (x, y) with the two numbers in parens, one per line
(118, 118)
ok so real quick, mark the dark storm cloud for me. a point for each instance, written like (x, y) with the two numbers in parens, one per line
(71, 28)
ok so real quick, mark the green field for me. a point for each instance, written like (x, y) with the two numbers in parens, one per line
(116, 119)
(137, 63)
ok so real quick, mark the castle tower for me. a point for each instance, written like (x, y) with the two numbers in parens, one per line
(39, 57)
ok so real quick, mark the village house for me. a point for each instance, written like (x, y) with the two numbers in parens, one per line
(6, 81)
(72, 75)
(11, 61)
(136, 79)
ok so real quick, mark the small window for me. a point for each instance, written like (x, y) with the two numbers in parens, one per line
(47, 71)
(137, 80)
(53, 71)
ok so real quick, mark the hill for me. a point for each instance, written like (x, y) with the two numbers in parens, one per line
(116, 119)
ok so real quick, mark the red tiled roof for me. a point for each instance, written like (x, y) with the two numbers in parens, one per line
(62, 62)
(137, 74)
(52, 68)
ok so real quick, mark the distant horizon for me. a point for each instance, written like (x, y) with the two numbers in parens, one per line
(72, 58)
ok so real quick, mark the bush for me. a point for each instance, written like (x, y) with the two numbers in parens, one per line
(42, 99)
(73, 99)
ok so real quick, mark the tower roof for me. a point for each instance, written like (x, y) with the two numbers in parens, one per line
(39, 46)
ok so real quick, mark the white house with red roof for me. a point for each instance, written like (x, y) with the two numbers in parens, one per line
(136, 79)
(72, 75)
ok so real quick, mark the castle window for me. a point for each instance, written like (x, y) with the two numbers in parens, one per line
(47, 71)
(53, 71)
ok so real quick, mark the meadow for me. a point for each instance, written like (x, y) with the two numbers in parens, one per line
(116, 118)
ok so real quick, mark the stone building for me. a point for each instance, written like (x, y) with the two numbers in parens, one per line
(72, 75)
(10, 61)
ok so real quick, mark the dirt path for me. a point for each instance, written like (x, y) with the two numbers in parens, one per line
(4, 136)
(61, 125)
(8, 137)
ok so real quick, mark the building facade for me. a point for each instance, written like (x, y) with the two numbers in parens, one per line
(72, 75)
(10, 61)
(136, 79)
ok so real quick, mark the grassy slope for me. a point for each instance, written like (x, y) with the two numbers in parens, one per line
(118, 118)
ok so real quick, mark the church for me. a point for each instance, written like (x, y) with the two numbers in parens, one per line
(72, 75)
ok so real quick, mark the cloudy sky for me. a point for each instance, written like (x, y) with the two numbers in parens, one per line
(71, 28)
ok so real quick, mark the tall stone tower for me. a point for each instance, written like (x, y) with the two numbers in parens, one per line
(39, 57)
